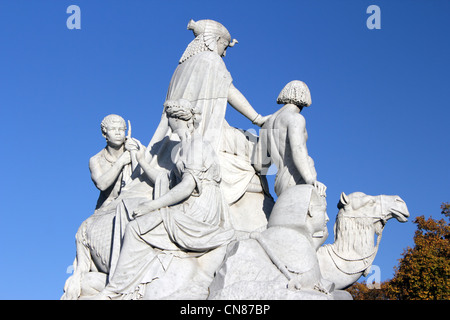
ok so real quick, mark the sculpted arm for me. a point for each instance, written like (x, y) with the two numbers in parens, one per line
(177, 194)
(297, 141)
(105, 178)
(149, 171)
(237, 100)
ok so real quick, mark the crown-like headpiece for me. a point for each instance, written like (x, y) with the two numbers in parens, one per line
(210, 29)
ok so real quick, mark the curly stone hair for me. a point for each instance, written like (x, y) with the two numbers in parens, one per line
(183, 110)
(295, 92)
(109, 119)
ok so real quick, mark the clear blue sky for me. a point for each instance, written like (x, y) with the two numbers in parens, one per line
(378, 122)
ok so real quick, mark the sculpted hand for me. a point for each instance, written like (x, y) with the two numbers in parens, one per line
(134, 145)
(260, 120)
(131, 144)
(321, 188)
(144, 208)
(125, 158)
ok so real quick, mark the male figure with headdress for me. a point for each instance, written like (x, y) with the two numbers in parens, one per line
(284, 138)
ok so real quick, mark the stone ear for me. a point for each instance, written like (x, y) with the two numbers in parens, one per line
(344, 199)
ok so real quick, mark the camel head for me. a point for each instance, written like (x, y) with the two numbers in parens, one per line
(361, 216)
(381, 208)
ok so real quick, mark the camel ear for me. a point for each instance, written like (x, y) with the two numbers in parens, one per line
(343, 201)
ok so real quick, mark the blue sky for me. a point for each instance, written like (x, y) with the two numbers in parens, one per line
(377, 124)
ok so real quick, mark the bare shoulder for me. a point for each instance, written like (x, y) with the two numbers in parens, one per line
(97, 159)
(292, 120)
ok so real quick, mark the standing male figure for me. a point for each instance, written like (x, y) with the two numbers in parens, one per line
(284, 137)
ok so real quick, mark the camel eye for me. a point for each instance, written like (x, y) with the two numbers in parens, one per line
(399, 200)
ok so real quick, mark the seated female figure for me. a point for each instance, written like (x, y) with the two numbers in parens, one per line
(189, 220)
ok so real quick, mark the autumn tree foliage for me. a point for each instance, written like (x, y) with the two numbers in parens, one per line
(424, 270)
(361, 291)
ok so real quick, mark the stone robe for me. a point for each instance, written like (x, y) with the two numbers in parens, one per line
(204, 80)
(188, 229)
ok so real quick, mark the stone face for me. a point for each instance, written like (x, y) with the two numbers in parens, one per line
(190, 216)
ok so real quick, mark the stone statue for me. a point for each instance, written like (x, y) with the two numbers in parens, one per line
(191, 216)
(360, 219)
(111, 167)
(284, 138)
(202, 78)
(110, 172)
(285, 265)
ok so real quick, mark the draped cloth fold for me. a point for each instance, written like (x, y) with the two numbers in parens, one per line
(204, 80)
(188, 229)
